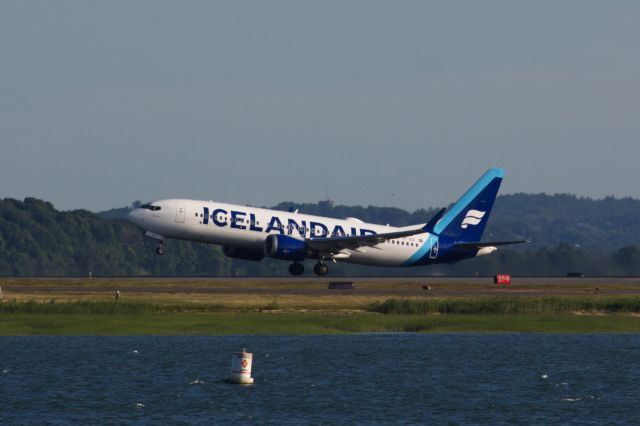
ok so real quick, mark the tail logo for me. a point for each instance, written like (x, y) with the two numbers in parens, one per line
(473, 217)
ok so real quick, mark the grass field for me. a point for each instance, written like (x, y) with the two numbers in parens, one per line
(183, 307)
(220, 323)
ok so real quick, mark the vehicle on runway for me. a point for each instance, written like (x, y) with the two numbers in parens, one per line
(252, 233)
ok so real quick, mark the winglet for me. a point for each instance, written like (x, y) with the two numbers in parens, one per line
(434, 220)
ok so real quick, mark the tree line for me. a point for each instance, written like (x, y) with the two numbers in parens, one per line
(570, 234)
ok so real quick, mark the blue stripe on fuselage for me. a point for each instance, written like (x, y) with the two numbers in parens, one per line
(422, 251)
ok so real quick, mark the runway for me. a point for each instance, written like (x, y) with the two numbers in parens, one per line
(315, 286)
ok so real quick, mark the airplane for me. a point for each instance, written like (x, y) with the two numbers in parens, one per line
(252, 233)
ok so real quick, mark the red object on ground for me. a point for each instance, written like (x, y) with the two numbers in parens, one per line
(502, 279)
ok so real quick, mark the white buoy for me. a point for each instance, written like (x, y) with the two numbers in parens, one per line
(241, 368)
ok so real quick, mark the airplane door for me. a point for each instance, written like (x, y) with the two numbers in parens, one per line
(179, 213)
(434, 248)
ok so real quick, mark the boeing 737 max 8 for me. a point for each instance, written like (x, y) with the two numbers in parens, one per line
(252, 233)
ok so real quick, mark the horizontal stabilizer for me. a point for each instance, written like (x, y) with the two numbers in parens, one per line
(479, 245)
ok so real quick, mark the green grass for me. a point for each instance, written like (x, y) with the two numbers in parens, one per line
(487, 314)
(220, 323)
(452, 306)
(512, 305)
(119, 308)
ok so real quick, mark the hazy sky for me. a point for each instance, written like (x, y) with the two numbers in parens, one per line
(400, 103)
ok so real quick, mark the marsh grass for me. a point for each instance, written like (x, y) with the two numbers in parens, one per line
(488, 314)
(486, 305)
(255, 323)
(450, 306)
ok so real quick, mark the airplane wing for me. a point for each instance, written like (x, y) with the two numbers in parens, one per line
(335, 244)
(479, 245)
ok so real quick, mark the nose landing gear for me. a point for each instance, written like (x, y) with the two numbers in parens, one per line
(159, 238)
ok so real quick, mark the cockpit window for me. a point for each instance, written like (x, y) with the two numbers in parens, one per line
(150, 207)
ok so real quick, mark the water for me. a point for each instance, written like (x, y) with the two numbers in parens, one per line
(355, 379)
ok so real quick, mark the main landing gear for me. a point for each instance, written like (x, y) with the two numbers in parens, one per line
(296, 268)
(160, 249)
(320, 268)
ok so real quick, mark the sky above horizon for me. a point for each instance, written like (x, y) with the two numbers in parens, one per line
(381, 103)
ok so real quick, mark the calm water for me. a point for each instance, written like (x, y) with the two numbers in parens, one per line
(356, 379)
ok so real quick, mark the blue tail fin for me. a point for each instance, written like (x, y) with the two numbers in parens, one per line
(467, 218)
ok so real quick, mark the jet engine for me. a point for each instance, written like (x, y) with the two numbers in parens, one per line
(285, 247)
(240, 253)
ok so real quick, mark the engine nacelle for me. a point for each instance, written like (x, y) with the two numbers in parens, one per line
(240, 253)
(285, 247)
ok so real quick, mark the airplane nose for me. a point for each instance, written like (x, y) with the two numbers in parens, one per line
(135, 216)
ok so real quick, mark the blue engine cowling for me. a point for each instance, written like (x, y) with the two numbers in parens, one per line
(285, 247)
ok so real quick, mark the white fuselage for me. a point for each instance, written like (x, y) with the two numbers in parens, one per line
(248, 227)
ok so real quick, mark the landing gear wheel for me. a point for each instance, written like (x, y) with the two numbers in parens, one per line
(160, 251)
(296, 269)
(320, 269)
